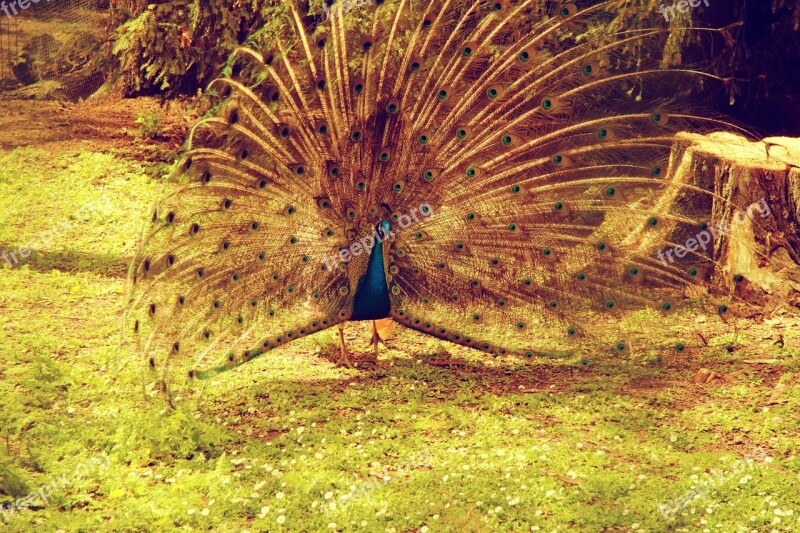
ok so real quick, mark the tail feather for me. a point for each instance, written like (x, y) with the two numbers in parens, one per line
(523, 158)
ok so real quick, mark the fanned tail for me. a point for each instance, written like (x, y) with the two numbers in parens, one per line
(527, 170)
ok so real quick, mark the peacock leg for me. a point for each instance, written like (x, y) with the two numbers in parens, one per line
(344, 360)
(375, 340)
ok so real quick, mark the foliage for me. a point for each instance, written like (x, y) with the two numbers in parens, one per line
(149, 124)
(177, 47)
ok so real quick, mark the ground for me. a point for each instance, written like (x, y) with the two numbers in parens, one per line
(436, 438)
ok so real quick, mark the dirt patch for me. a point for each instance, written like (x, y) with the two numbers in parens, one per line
(100, 124)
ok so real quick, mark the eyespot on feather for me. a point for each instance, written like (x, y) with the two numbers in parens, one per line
(550, 104)
(356, 134)
(494, 91)
(659, 118)
(463, 132)
(469, 49)
(272, 95)
(568, 10)
(509, 139)
(393, 106)
(333, 170)
(367, 43)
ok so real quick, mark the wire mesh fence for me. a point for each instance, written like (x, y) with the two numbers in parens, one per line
(48, 47)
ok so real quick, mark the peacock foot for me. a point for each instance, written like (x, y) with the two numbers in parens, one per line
(344, 360)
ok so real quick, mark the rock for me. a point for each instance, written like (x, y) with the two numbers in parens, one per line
(704, 375)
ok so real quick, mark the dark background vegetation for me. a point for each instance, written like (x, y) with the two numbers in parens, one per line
(176, 47)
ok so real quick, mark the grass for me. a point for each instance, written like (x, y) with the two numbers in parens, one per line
(291, 443)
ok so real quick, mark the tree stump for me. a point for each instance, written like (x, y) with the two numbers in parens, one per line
(756, 187)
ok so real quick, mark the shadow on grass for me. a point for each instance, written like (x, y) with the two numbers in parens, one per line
(107, 265)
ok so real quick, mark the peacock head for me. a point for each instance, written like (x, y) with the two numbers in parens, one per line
(384, 229)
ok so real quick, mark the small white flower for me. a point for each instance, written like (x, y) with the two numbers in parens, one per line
(205, 512)
(423, 529)
(281, 519)
(328, 495)
(279, 495)
(190, 511)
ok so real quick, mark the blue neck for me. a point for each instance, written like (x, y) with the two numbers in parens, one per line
(371, 300)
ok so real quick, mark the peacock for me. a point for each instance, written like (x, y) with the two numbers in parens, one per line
(494, 174)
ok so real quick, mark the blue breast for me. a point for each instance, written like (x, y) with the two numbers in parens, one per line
(372, 293)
